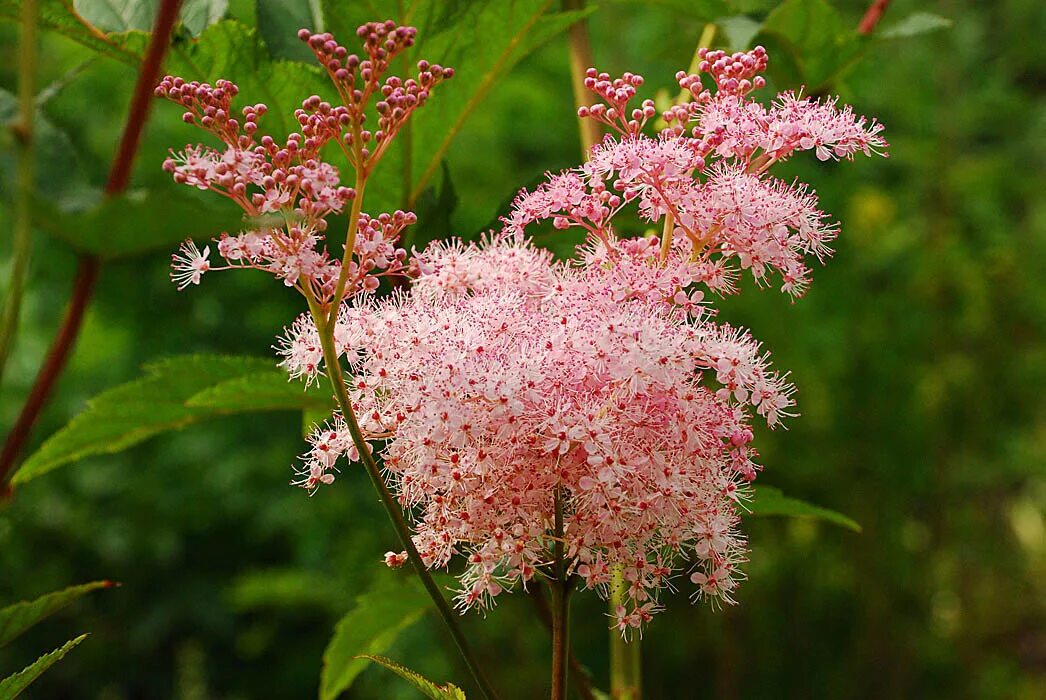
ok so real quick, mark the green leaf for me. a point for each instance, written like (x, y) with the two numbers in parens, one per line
(128, 15)
(771, 501)
(117, 15)
(128, 224)
(197, 15)
(482, 47)
(739, 30)
(12, 686)
(17, 618)
(60, 16)
(270, 390)
(817, 42)
(279, 22)
(914, 24)
(158, 402)
(427, 687)
(370, 627)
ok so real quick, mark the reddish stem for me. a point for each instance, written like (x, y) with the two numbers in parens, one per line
(872, 16)
(87, 270)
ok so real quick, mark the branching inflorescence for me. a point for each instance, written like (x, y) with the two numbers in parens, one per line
(504, 383)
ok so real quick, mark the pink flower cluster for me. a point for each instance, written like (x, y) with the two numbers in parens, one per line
(286, 189)
(502, 382)
(502, 375)
(710, 187)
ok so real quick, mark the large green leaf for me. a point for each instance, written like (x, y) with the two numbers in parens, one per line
(17, 618)
(370, 627)
(127, 224)
(482, 48)
(163, 400)
(771, 501)
(127, 15)
(60, 16)
(279, 22)
(12, 686)
(427, 687)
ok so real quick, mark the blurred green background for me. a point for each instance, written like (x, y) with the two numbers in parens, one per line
(918, 354)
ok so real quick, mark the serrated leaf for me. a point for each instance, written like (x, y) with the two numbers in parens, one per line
(158, 402)
(129, 15)
(262, 391)
(127, 224)
(771, 501)
(279, 22)
(60, 16)
(369, 628)
(915, 24)
(427, 687)
(12, 686)
(17, 618)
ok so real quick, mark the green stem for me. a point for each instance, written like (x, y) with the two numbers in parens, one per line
(337, 380)
(580, 49)
(560, 607)
(626, 682)
(24, 207)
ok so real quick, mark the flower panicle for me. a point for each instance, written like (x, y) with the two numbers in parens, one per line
(285, 187)
(709, 185)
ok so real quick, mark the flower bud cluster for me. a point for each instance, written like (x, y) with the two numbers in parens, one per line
(286, 189)
(359, 79)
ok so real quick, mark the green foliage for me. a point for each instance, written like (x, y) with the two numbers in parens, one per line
(768, 500)
(173, 394)
(17, 618)
(128, 15)
(369, 628)
(12, 686)
(127, 225)
(427, 687)
(913, 25)
(279, 22)
(809, 42)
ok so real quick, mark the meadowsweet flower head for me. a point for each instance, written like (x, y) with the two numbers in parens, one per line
(503, 378)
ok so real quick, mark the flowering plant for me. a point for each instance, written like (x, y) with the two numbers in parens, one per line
(574, 423)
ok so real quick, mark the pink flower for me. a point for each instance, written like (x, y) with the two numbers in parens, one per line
(189, 264)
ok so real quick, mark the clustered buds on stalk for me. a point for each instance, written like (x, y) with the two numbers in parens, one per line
(287, 189)
(505, 385)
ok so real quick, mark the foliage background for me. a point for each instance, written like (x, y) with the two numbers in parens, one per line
(918, 354)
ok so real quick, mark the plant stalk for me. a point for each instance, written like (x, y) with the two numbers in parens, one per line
(580, 49)
(872, 16)
(560, 608)
(24, 137)
(626, 681)
(399, 523)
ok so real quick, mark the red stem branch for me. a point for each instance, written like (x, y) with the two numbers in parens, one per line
(872, 16)
(87, 270)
